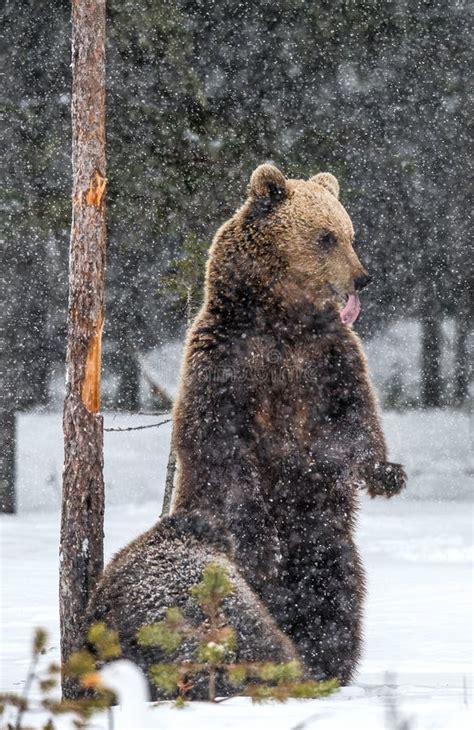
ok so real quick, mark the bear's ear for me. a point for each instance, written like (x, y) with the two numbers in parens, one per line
(267, 182)
(328, 181)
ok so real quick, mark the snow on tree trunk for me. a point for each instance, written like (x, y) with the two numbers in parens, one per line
(81, 548)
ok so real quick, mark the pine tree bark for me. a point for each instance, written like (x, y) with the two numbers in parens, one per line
(81, 548)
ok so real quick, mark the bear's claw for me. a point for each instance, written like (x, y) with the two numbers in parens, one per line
(383, 479)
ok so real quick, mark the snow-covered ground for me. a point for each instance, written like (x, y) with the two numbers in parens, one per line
(418, 551)
(418, 621)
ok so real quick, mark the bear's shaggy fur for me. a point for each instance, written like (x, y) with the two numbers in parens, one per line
(276, 424)
(156, 571)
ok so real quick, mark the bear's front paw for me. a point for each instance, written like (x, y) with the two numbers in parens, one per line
(383, 479)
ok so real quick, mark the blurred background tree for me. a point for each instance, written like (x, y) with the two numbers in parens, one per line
(199, 93)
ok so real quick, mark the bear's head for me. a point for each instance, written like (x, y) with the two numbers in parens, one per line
(292, 239)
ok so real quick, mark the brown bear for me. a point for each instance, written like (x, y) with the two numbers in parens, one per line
(155, 572)
(275, 423)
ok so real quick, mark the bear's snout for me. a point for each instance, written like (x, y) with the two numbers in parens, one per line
(360, 282)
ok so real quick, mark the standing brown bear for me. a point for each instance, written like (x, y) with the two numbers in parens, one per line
(276, 423)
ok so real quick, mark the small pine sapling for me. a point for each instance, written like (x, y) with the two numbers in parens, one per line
(185, 277)
(81, 666)
(215, 646)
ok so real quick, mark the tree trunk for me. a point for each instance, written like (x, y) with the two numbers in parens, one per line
(171, 466)
(36, 377)
(169, 483)
(9, 369)
(7, 458)
(431, 381)
(128, 394)
(462, 364)
(32, 340)
(81, 548)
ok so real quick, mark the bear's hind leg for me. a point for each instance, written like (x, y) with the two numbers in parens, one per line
(323, 590)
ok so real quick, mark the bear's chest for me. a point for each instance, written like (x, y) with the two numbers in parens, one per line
(298, 388)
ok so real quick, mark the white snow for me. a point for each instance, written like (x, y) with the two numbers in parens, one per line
(134, 462)
(418, 619)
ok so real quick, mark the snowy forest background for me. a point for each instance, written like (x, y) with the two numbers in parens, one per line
(378, 92)
(199, 93)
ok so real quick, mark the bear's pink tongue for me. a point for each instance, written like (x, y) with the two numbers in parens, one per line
(352, 309)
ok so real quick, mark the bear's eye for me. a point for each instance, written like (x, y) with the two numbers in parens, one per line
(327, 239)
